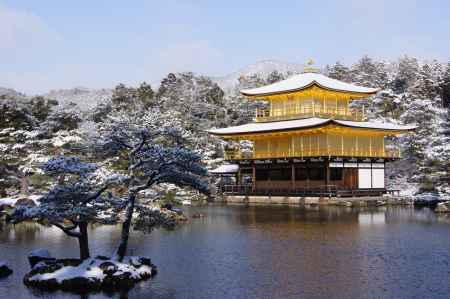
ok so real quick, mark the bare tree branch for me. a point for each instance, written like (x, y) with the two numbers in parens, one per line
(95, 195)
(68, 230)
(141, 144)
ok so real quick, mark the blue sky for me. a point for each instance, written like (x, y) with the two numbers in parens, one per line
(61, 44)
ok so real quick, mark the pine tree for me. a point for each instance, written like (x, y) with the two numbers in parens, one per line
(445, 87)
(408, 68)
(154, 152)
(76, 197)
(339, 72)
(369, 73)
(274, 76)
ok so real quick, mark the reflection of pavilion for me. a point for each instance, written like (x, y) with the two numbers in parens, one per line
(367, 218)
(320, 245)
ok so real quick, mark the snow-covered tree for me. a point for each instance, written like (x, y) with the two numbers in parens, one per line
(198, 98)
(368, 72)
(73, 201)
(33, 135)
(152, 150)
(126, 97)
(274, 76)
(445, 87)
(340, 72)
(406, 74)
(63, 117)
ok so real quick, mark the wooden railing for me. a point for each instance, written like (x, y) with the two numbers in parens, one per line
(325, 190)
(265, 114)
(236, 154)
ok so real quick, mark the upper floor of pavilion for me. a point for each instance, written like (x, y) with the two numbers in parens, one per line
(306, 95)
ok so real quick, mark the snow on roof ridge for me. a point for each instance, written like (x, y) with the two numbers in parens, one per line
(374, 125)
(270, 126)
(305, 80)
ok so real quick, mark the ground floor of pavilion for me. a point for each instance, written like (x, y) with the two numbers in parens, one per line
(318, 176)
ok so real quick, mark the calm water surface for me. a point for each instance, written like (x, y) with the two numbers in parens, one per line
(266, 252)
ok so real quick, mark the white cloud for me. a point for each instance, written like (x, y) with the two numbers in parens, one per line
(21, 29)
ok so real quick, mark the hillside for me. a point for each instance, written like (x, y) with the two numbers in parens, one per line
(261, 68)
(85, 98)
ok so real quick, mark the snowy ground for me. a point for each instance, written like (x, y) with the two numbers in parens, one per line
(93, 274)
(11, 201)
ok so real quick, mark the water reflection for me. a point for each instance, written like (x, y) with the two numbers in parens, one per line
(375, 218)
(266, 252)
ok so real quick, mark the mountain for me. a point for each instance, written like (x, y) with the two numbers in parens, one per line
(85, 98)
(262, 68)
(11, 93)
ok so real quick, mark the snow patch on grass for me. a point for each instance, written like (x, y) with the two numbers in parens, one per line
(11, 201)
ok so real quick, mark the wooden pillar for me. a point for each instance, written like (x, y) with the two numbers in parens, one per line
(314, 108)
(357, 145)
(336, 112)
(254, 178)
(347, 108)
(323, 102)
(328, 144)
(327, 172)
(292, 176)
(307, 174)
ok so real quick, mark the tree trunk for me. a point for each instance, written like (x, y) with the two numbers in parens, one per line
(122, 249)
(83, 241)
(24, 185)
(3, 191)
(61, 179)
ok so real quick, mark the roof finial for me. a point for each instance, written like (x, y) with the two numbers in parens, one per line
(308, 68)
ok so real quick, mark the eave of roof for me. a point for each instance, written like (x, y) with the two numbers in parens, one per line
(289, 125)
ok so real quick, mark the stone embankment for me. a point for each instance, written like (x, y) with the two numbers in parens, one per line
(332, 201)
(443, 207)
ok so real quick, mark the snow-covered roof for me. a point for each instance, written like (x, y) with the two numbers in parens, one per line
(374, 125)
(302, 124)
(305, 80)
(270, 126)
(226, 168)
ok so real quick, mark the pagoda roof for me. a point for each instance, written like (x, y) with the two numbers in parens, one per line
(306, 123)
(303, 81)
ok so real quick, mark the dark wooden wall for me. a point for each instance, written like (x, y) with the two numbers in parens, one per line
(311, 175)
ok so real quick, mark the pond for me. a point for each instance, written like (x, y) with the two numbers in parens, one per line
(266, 252)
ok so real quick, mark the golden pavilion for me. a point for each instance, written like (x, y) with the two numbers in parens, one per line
(309, 141)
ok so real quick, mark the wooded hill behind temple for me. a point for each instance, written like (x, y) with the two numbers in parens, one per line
(34, 128)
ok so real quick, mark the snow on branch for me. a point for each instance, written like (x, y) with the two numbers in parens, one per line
(67, 165)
